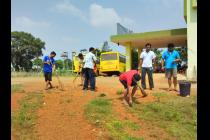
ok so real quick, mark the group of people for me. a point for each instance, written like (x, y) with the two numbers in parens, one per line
(169, 61)
(87, 67)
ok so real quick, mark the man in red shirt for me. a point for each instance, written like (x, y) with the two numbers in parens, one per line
(129, 79)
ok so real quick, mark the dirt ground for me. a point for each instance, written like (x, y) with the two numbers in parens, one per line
(62, 114)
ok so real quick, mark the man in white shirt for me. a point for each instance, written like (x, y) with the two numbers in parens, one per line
(89, 61)
(147, 58)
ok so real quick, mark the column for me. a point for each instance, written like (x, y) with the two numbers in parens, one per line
(191, 42)
(128, 56)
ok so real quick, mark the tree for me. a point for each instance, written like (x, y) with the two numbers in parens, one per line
(68, 63)
(37, 63)
(24, 48)
(59, 64)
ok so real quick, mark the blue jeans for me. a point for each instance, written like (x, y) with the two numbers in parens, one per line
(149, 71)
(89, 76)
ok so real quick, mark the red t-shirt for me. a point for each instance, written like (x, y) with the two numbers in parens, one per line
(127, 76)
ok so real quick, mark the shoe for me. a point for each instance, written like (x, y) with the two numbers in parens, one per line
(85, 88)
(93, 90)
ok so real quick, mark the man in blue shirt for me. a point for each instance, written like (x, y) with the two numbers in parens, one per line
(170, 58)
(48, 68)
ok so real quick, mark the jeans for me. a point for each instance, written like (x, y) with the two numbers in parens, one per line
(149, 71)
(89, 76)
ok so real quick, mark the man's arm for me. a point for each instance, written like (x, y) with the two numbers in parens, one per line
(177, 58)
(140, 62)
(162, 64)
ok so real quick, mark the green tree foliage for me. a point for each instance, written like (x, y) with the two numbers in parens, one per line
(37, 64)
(24, 48)
(158, 54)
(59, 64)
(68, 64)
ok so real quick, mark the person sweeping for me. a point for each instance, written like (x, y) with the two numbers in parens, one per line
(130, 79)
(48, 68)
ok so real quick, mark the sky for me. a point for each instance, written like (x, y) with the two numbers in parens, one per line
(72, 25)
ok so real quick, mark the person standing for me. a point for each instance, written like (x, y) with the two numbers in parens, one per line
(81, 68)
(89, 60)
(170, 58)
(147, 58)
(48, 68)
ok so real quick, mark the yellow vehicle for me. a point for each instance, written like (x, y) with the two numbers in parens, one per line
(112, 63)
(76, 64)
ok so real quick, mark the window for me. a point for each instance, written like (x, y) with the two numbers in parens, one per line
(122, 58)
(112, 56)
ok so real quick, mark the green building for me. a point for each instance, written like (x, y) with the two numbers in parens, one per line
(186, 37)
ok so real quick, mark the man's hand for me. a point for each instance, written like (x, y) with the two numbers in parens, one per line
(48, 62)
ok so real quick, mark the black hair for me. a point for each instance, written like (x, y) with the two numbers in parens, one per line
(148, 44)
(170, 45)
(137, 77)
(53, 53)
(80, 55)
(91, 49)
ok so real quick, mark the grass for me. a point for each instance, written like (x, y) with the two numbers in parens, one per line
(99, 112)
(176, 115)
(119, 92)
(16, 88)
(24, 119)
(40, 74)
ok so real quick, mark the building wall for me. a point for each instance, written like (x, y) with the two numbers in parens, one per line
(192, 41)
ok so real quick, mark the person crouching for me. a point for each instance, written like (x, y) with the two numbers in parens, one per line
(129, 79)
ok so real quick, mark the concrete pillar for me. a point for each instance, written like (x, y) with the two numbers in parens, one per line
(139, 53)
(128, 56)
(192, 41)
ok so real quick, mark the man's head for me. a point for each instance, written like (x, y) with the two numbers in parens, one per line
(148, 47)
(80, 56)
(52, 54)
(170, 47)
(136, 78)
(91, 49)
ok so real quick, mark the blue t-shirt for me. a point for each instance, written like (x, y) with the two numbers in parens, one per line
(169, 57)
(47, 67)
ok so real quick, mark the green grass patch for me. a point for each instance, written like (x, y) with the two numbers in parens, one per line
(176, 115)
(99, 112)
(16, 88)
(24, 119)
(102, 95)
(119, 92)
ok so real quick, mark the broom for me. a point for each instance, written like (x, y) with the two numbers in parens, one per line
(59, 81)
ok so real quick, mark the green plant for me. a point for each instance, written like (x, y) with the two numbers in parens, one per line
(119, 92)
(176, 115)
(16, 88)
(24, 119)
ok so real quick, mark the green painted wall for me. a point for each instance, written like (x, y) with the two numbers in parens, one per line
(192, 41)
